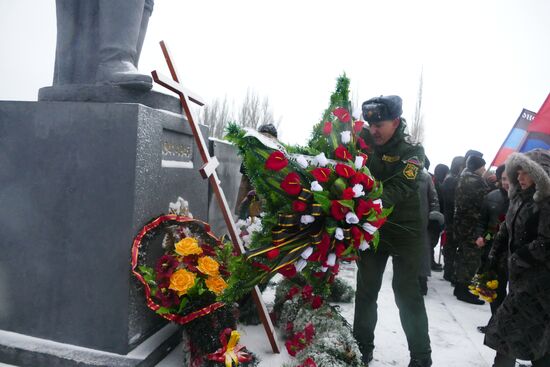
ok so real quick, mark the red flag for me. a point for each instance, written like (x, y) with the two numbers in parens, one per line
(541, 123)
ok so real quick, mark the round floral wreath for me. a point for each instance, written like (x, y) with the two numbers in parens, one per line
(183, 269)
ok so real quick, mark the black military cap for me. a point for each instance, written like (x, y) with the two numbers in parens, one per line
(268, 129)
(382, 108)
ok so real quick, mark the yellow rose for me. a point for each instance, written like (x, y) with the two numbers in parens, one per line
(216, 284)
(475, 292)
(492, 284)
(188, 246)
(181, 281)
(208, 266)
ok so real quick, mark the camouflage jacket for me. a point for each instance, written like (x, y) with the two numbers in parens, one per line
(470, 192)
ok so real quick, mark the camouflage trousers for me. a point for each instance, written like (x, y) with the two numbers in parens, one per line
(467, 262)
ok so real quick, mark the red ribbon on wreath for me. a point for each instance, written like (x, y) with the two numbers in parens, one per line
(179, 319)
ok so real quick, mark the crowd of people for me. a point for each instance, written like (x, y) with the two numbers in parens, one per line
(486, 222)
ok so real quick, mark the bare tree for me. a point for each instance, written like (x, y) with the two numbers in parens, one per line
(252, 113)
(216, 116)
(416, 129)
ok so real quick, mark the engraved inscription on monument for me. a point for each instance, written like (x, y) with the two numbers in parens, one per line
(177, 150)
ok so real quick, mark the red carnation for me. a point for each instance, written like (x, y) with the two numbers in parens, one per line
(358, 126)
(338, 211)
(309, 362)
(307, 292)
(299, 206)
(342, 114)
(276, 161)
(309, 330)
(271, 254)
(348, 194)
(321, 174)
(316, 302)
(292, 292)
(342, 153)
(327, 128)
(291, 184)
(288, 271)
(344, 170)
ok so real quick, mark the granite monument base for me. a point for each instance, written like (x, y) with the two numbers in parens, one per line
(77, 182)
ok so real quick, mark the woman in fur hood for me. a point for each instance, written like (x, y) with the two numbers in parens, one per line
(521, 326)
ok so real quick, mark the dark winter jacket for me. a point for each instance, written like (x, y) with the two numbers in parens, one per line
(470, 191)
(398, 164)
(493, 210)
(448, 188)
(521, 326)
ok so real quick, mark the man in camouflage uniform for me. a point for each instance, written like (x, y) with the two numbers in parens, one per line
(397, 163)
(470, 193)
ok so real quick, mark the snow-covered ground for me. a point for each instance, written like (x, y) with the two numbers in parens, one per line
(453, 329)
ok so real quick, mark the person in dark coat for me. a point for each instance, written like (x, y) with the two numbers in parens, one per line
(493, 211)
(448, 189)
(521, 326)
(436, 226)
(470, 191)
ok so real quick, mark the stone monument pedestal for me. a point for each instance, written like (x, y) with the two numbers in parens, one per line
(77, 181)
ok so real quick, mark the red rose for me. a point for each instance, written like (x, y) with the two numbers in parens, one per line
(342, 114)
(321, 174)
(338, 211)
(362, 144)
(299, 206)
(276, 161)
(316, 302)
(307, 292)
(358, 126)
(327, 128)
(348, 194)
(342, 153)
(379, 222)
(271, 254)
(288, 271)
(291, 184)
(322, 248)
(344, 170)
(339, 249)
(356, 236)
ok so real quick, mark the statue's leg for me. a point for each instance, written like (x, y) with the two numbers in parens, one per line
(119, 28)
(147, 11)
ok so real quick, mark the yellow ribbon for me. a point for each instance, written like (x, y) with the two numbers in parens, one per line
(230, 355)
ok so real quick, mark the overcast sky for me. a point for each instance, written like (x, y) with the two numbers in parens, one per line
(483, 61)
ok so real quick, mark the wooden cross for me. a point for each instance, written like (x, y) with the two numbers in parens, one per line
(208, 171)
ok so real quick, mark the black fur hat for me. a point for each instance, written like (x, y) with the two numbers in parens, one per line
(382, 108)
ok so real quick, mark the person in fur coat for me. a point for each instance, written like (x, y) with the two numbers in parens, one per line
(521, 326)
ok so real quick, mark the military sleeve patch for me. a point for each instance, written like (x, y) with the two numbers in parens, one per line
(414, 160)
(411, 171)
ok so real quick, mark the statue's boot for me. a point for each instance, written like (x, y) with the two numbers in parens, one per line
(119, 34)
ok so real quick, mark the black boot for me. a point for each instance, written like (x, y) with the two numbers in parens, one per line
(461, 292)
(367, 358)
(436, 267)
(420, 362)
(120, 24)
